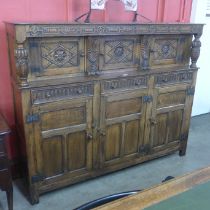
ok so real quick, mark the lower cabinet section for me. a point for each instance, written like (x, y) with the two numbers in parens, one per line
(83, 137)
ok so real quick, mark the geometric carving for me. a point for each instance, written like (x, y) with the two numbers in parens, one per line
(92, 56)
(59, 54)
(173, 77)
(120, 51)
(124, 83)
(165, 49)
(58, 93)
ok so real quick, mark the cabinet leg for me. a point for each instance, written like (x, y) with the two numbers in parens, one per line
(10, 198)
(34, 196)
(183, 149)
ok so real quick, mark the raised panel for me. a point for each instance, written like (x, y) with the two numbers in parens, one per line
(52, 156)
(171, 98)
(131, 137)
(160, 131)
(76, 151)
(112, 142)
(62, 118)
(176, 118)
(123, 107)
(119, 53)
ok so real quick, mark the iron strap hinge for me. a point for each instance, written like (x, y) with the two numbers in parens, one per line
(30, 118)
(190, 91)
(147, 99)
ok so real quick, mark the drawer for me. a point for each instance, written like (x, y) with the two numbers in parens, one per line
(124, 83)
(3, 163)
(50, 94)
(173, 78)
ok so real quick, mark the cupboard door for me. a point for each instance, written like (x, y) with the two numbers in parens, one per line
(56, 56)
(119, 52)
(169, 50)
(170, 117)
(63, 138)
(121, 126)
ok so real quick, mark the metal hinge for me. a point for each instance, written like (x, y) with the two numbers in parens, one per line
(32, 118)
(147, 99)
(37, 178)
(190, 91)
(144, 149)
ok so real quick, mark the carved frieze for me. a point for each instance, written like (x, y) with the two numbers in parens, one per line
(59, 93)
(124, 83)
(21, 55)
(109, 29)
(173, 77)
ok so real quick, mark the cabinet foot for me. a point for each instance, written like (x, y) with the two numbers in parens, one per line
(182, 152)
(34, 196)
(10, 198)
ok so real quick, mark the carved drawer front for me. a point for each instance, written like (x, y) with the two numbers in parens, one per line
(119, 52)
(169, 50)
(61, 92)
(173, 78)
(124, 83)
(63, 136)
(56, 56)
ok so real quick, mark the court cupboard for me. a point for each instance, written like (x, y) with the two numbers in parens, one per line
(95, 98)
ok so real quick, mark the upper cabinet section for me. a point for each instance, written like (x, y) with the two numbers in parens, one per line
(45, 52)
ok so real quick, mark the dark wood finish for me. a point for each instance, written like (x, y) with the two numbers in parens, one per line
(95, 98)
(5, 173)
(161, 192)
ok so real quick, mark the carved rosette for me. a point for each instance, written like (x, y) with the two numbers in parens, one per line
(21, 55)
(93, 56)
(195, 50)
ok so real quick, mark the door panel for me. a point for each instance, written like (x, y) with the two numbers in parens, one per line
(112, 143)
(64, 137)
(131, 137)
(52, 156)
(76, 150)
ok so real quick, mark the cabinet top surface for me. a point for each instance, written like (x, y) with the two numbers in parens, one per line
(24, 30)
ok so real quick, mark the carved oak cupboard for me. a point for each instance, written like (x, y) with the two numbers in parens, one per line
(95, 98)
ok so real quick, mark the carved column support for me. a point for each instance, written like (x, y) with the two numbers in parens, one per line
(195, 50)
(21, 55)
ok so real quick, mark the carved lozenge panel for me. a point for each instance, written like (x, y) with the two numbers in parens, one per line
(61, 93)
(59, 54)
